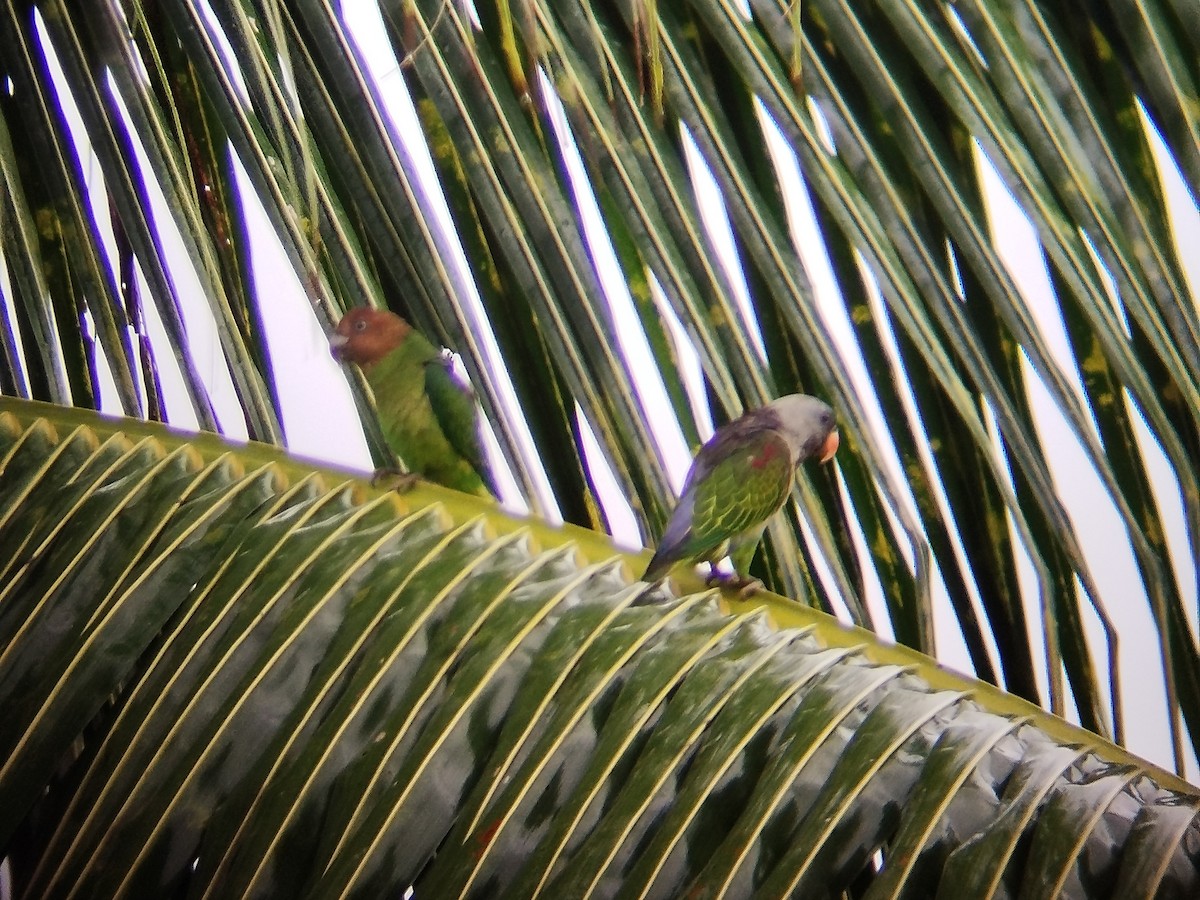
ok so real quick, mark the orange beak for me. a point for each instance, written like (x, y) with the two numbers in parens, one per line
(830, 446)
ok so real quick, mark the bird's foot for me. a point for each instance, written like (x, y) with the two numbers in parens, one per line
(750, 587)
(744, 587)
(387, 479)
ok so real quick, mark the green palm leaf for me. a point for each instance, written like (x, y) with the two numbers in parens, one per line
(284, 683)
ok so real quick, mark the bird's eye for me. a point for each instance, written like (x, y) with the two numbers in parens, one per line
(360, 325)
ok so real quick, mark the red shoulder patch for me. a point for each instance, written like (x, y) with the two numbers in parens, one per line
(765, 456)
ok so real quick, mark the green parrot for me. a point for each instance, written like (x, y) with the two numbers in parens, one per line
(740, 478)
(428, 415)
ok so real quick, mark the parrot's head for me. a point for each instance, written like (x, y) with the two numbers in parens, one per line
(365, 335)
(808, 425)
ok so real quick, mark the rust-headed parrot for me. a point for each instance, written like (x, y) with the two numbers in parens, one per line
(740, 478)
(428, 415)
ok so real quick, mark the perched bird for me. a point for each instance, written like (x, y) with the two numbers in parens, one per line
(739, 479)
(428, 415)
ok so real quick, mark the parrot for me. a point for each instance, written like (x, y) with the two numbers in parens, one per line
(427, 413)
(740, 477)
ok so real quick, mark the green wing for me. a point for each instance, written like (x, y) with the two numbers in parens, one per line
(429, 417)
(733, 495)
(454, 409)
(742, 491)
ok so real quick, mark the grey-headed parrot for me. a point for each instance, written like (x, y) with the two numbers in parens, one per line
(740, 478)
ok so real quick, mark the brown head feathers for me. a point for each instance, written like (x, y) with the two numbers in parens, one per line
(365, 335)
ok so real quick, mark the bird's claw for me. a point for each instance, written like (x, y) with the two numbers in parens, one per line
(750, 587)
(744, 587)
(386, 479)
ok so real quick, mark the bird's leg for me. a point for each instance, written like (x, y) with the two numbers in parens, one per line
(748, 587)
(741, 554)
(715, 575)
(390, 479)
(745, 586)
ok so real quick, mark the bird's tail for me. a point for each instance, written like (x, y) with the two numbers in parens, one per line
(658, 568)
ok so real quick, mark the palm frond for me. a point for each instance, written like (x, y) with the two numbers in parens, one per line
(227, 674)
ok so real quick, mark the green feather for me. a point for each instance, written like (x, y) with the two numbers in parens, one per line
(730, 503)
(428, 418)
(454, 408)
(740, 493)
